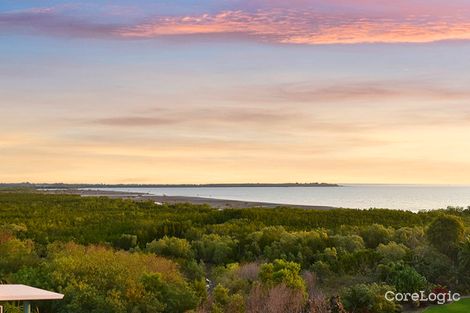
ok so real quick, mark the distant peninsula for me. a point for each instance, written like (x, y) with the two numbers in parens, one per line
(74, 186)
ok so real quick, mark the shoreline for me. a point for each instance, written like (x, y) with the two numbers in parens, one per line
(215, 203)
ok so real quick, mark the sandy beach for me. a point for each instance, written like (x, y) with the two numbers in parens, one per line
(216, 203)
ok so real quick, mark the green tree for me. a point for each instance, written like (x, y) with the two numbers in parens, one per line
(411, 237)
(99, 280)
(177, 296)
(216, 249)
(348, 244)
(171, 247)
(404, 277)
(464, 263)
(376, 234)
(15, 253)
(392, 252)
(437, 267)
(282, 272)
(221, 295)
(445, 233)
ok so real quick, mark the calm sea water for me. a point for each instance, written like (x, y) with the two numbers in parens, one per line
(400, 197)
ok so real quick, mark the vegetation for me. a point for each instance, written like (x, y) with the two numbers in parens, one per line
(114, 255)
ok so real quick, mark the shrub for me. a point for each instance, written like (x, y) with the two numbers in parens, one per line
(171, 247)
(126, 242)
(362, 298)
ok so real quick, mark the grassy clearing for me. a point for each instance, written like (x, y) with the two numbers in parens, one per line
(462, 306)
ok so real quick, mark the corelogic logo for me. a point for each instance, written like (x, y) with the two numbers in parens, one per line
(439, 298)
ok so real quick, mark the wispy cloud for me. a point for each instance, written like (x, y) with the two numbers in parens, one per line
(208, 117)
(349, 92)
(310, 25)
(49, 22)
(305, 108)
(291, 26)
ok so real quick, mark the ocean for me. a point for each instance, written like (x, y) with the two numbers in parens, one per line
(361, 196)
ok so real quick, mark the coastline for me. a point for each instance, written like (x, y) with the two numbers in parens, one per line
(215, 203)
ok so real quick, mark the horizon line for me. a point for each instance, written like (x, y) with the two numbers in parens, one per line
(237, 183)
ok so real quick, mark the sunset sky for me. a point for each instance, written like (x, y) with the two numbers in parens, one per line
(209, 91)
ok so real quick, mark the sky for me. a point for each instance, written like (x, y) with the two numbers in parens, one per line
(340, 91)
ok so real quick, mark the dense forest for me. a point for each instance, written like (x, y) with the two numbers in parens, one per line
(113, 255)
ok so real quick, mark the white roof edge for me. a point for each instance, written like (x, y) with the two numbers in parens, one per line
(18, 292)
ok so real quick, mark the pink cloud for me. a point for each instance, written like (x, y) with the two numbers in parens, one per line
(308, 27)
(273, 25)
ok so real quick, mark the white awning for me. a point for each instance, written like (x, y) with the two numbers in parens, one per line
(26, 293)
